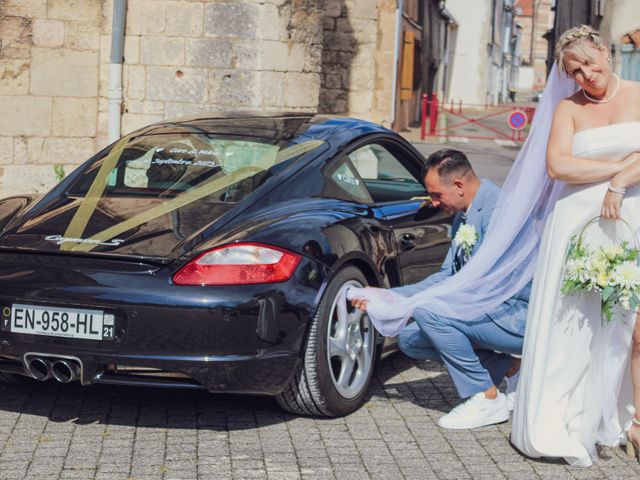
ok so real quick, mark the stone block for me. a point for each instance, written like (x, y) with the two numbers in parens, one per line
(17, 37)
(153, 17)
(25, 115)
(74, 117)
(184, 19)
(24, 8)
(313, 60)
(211, 53)
(145, 107)
(6, 150)
(305, 27)
(361, 9)
(360, 102)
(332, 81)
(333, 8)
(271, 87)
(89, 11)
(103, 75)
(296, 57)
(175, 109)
(14, 77)
(231, 19)
(64, 72)
(366, 57)
(21, 150)
(363, 30)
(134, 81)
(135, 14)
(162, 51)
(105, 48)
(34, 148)
(361, 78)
(273, 55)
(339, 41)
(58, 150)
(82, 36)
(131, 49)
(107, 17)
(301, 89)
(233, 87)
(332, 101)
(272, 25)
(134, 121)
(328, 23)
(48, 33)
(17, 180)
(245, 56)
(181, 85)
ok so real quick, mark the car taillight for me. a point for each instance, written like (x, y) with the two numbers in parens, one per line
(239, 264)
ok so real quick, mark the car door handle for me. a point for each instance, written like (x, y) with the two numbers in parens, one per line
(407, 241)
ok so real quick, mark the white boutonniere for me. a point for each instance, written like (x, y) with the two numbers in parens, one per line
(466, 237)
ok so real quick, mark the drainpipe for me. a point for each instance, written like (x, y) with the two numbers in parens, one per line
(115, 69)
(396, 56)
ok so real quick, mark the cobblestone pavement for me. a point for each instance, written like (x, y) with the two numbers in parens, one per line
(50, 431)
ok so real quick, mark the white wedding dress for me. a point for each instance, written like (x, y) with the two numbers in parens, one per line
(575, 384)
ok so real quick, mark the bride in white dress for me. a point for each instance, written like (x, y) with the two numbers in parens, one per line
(576, 388)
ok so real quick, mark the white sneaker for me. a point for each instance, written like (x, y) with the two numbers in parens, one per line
(510, 391)
(476, 412)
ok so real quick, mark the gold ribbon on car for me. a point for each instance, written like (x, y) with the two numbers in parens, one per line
(88, 206)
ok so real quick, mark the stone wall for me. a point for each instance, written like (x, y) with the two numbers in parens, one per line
(348, 57)
(181, 57)
(49, 77)
(185, 57)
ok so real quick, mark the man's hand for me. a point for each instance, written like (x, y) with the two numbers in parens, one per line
(361, 304)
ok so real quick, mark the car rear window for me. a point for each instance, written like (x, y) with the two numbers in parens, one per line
(166, 165)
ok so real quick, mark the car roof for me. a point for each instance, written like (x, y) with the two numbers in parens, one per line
(277, 127)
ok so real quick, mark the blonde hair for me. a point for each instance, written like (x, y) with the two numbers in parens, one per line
(573, 40)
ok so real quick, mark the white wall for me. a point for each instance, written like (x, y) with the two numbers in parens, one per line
(526, 77)
(621, 16)
(470, 62)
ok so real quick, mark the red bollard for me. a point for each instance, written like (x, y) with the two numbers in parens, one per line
(423, 117)
(433, 117)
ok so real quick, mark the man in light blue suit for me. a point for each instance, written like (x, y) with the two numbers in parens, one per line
(477, 353)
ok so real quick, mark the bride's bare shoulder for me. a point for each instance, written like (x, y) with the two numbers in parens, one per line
(567, 106)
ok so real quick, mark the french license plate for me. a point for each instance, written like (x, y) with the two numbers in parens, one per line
(62, 322)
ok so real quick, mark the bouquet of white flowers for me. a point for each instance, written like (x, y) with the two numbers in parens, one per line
(612, 271)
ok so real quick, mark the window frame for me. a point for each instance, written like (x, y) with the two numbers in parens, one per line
(411, 161)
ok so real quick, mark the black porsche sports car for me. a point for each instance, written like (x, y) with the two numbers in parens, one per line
(215, 253)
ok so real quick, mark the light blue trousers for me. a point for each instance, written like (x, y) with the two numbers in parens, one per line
(477, 353)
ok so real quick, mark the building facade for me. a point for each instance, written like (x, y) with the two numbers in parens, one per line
(366, 58)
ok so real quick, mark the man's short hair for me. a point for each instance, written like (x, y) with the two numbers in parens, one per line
(449, 163)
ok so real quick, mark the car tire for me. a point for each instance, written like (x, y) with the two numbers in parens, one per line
(340, 355)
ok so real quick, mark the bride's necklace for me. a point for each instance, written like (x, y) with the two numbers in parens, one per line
(604, 100)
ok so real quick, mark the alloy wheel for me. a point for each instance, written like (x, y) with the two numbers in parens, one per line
(349, 344)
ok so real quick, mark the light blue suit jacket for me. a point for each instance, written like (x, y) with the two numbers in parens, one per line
(510, 315)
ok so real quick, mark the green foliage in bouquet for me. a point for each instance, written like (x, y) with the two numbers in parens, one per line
(612, 271)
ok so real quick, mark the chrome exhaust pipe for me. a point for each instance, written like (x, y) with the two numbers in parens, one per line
(39, 368)
(66, 371)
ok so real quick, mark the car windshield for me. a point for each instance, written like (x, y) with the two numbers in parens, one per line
(167, 165)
